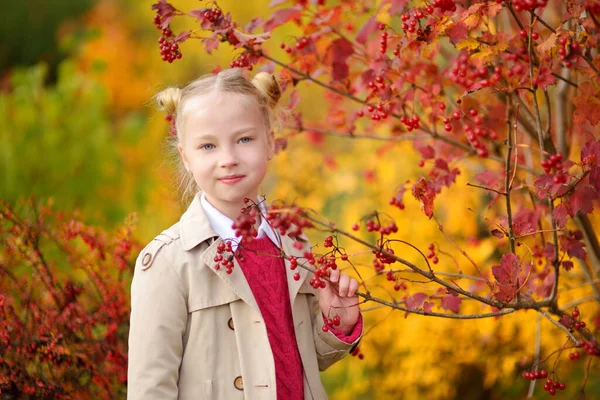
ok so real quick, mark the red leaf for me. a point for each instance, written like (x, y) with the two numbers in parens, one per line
(281, 17)
(451, 302)
(337, 53)
(567, 265)
(243, 38)
(545, 77)
(253, 24)
(165, 11)
(525, 221)
(427, 152)
(423, 191)
(498, 233)
(488, 178)
(574, 246)
(561, 212)
(507, 274)
(545, 185)
(594, 178)
(182, 37)
(367, 30)
(588, 104)
(428, 306)
(211, 43)
(582, 199)
(457, 32)
(590, 152)
(415, 301)
(397, 6)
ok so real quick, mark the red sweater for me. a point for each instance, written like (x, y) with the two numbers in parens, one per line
(266, 277)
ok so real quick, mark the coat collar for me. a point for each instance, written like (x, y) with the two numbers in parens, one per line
(195, 228)
(194, 225)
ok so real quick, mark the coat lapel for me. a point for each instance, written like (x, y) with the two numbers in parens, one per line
(195, 228)
(236, 280)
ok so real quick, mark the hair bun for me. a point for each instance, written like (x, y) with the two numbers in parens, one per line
(168, 99)
(268, 87)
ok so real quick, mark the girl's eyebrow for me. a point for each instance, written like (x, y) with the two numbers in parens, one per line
(213, 137)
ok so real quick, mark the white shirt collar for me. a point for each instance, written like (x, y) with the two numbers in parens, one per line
(222, 224)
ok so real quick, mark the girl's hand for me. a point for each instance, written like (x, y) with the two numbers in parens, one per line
(339, 298)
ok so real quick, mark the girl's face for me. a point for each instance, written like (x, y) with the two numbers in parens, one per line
(226, 148)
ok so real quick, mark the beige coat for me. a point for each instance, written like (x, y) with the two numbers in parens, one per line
(197, 333)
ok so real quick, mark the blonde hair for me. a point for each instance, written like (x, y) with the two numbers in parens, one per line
(263, 89)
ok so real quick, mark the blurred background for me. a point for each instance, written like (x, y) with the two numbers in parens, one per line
(79, 126)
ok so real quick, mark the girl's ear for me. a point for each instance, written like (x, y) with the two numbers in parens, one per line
(183, 157)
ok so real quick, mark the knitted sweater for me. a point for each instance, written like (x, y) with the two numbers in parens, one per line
(266, 277)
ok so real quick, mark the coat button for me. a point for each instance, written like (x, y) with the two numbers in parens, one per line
(238, 383)
(147, 258)
(230, 323)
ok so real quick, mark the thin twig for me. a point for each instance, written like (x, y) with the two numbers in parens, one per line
(562, 327)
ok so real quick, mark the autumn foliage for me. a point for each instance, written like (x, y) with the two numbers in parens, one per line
(64, 307)
(499, 101)
(504, 92)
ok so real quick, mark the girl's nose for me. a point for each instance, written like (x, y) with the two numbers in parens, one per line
(228, 158)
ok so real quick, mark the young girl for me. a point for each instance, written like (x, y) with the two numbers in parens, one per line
(254, 331)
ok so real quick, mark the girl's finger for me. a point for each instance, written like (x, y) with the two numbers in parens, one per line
(344, 285)
(352, 288)
(334, 275)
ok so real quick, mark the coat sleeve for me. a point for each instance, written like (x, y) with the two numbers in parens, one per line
(157, 326)
(330, 348)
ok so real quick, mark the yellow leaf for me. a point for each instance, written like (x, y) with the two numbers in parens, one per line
(468, 43)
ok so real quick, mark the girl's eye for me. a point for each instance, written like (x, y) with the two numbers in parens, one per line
(245, 140)
(207, 146)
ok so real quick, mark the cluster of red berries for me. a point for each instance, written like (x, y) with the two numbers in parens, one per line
(550, 386)
(287, 49)
(316, 280)
(293, 266)
(534, 35)
(555, 161)
(211, 14)
(396, 201)
(473, 136)
(383, 39)
(397, 285)
(528, 5)
(242, 62)
(431, 255)
(335, 321)
(378, 83)
(244, 225)
(578, 324)
(410, 122)
(410, 25)
(169, 50)
(286, 219)
(381, 259)
(590, 348)
(356, 353)
(574, 356)
(533, 375)
(378, 112)
(467, 76)
(373, 226)
(302, 43)
(444, 5)
(328, 242)
(568, 54)
(221, 260)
